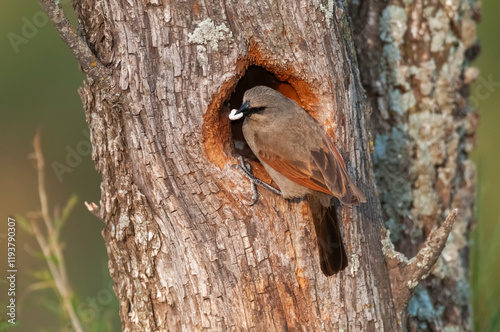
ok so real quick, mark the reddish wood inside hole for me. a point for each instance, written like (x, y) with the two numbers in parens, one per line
(222, 138)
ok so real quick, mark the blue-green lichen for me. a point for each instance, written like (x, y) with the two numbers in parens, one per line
(395, 75)
(421, 167)
(421, 307)
(401, 102)
(391, 155)
(393, 24)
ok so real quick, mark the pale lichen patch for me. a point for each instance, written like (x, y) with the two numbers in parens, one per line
(393, 24)
(393, 28)
(354, 264)
(449, 76)
(328, 11)
(122, 225)
(470, 75)
(412, 283)
(425, 74)
(440, 28)
(453, 328)
(426, 130)
(389, 250)
(208, 33)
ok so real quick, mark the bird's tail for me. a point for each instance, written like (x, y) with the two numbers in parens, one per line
(353, 196)
(332, 254)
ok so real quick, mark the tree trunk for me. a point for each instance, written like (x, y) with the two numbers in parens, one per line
(185, 251)
(414, 64)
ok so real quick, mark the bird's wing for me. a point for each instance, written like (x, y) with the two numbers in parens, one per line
(332, 167)
(323, 171)
(336, 177)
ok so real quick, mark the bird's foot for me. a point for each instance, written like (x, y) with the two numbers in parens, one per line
(246, 168)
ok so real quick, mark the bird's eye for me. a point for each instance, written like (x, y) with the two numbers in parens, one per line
(258, 109)
(253, 110)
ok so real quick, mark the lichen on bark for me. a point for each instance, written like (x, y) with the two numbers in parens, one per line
(422, 124)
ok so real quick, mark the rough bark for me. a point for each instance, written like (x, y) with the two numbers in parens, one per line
(185, 251)
(415, 65)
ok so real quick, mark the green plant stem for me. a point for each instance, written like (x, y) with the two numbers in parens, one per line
(50, 247)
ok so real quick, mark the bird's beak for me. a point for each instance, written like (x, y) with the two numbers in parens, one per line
(238, 114)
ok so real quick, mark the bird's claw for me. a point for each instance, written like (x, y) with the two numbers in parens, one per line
(246, 168)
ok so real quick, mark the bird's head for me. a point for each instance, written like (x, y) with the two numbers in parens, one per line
(258, 100)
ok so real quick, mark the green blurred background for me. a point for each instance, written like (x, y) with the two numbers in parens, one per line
(38, 87)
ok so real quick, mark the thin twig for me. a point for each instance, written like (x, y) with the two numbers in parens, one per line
(61, 285)
(89, 63)
(51, 230)
(50, 247)
(40, 166)
(94, 209)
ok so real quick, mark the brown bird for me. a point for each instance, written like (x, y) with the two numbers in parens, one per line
(300, 158)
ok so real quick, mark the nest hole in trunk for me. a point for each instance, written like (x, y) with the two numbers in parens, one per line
(254, 76)
(222, 138)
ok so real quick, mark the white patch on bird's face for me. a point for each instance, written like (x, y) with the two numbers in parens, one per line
(233, 116)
